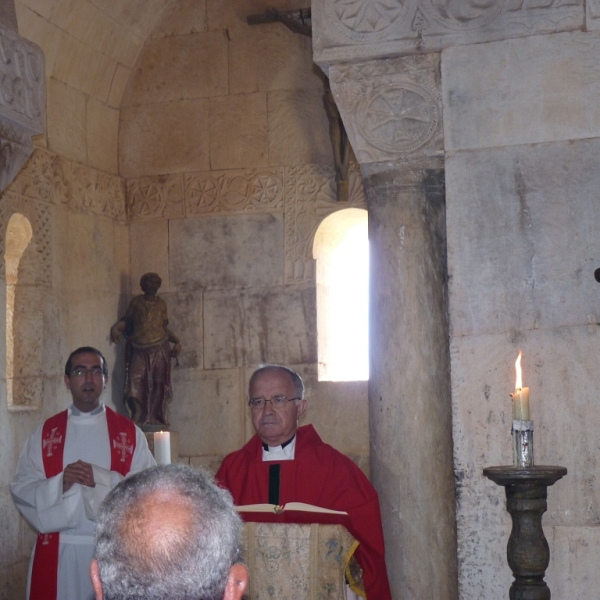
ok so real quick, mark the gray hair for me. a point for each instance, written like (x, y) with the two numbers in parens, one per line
(186, 555)
(294, 377)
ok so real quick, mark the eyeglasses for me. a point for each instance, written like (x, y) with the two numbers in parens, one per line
(81, 371)
(276, 402)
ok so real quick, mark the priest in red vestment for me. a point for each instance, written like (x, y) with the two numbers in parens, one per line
(286, 463)
(66, 469)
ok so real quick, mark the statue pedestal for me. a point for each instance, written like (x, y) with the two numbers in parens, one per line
(174, 444)
(527, 551)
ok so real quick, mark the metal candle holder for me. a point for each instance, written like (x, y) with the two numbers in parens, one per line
(527, 551)
(522, 433)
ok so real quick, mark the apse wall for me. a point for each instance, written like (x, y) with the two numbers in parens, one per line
(68, 294)
(224, 144)
(229, 172)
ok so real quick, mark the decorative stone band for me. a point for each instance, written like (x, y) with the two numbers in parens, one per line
(350, 31)
(51, 179)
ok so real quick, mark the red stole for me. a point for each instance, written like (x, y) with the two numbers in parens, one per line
(121, 436)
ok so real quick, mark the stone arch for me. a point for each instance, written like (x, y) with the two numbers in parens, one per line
(25, 241)
(18, 237)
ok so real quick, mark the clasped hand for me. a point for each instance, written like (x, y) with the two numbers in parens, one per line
(78, 472)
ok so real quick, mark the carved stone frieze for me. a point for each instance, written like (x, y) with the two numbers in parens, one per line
(159, 197)
(392, 108)
(52, 179)
(310, 196)
(194, 194)
(36, 265)
(232, 191)
(366, 20)
(345, 30)
(15, 149)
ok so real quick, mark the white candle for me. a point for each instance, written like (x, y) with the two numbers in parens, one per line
(162, 447)
(521, 396)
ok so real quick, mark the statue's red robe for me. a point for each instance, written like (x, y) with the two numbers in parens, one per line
(322, 476)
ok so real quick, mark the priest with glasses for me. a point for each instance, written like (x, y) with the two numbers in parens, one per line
(285, 463)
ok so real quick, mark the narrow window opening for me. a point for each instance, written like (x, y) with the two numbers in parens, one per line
(18, 237)
(341, 249)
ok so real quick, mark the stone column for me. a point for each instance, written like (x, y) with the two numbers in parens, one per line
(392, 111)
(409, 391)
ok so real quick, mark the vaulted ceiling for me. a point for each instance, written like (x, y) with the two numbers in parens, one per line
(90, 45)
(91, 52)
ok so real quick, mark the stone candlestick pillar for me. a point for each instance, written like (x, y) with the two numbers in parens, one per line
(392, 112)
(526, 500)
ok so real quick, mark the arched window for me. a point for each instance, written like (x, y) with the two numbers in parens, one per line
(341, 249)
(18, 236)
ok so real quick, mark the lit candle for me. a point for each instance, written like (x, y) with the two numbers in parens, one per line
(520, 397)
(162, 447)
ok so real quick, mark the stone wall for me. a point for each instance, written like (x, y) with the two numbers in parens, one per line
(238, 277)
(224, 142)
(228, 174)
(69, 293)
(523, 218)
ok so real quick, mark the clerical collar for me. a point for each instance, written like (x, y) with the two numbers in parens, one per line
(268, 448)
(286, 451)
(77, 413)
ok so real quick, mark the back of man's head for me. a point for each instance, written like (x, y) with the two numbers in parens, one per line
(168, 532)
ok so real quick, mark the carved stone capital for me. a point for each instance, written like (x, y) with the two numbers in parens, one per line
(22, 77)
(15, 149)
(392, 108)
(21, 101)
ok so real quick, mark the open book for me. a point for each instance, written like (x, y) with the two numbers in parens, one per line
(276, 509)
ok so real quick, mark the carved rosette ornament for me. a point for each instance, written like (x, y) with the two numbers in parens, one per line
(392, 108)
(353, 30)
(458, 14)
(365, 19)
(197, 194)
(21, 101)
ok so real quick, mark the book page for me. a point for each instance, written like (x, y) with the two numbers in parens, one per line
(301, 506)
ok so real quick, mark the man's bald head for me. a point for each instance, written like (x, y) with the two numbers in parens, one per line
(167, 532)
(164, 519)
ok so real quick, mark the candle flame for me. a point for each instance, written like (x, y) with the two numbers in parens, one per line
(519, 383)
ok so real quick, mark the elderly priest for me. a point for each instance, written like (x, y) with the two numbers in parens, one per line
(286, 463)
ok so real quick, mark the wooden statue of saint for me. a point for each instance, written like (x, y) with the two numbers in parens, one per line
(148, 355)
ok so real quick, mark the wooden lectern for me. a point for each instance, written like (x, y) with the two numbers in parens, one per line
(289, 556)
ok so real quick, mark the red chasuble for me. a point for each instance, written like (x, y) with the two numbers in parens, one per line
(121, 436)
(322, 476)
